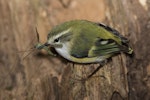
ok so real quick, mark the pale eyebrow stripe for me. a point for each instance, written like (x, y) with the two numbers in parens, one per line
(66, 37)
(63, 33)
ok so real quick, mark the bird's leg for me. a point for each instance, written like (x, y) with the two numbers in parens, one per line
(97, 69)
(100, 66)
(91, 74)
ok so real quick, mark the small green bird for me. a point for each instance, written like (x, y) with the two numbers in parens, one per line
(83, 41)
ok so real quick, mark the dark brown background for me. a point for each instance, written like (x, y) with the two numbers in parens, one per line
(37, 76)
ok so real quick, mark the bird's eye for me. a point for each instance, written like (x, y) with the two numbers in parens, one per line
(56, 40)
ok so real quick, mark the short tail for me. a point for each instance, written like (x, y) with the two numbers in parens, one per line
(126, 49)
(130, 51)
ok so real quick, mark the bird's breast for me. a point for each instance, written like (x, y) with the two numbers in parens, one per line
(64, 51)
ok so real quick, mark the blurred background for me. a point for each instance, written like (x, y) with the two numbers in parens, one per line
(28, 74)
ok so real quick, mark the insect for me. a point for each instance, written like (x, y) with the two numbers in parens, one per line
(40, 46)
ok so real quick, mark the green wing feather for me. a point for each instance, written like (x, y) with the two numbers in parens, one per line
(96, 40)
(104, 47)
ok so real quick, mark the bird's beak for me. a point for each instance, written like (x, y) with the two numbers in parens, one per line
(46, 44)
(53, 45)
(49, 44)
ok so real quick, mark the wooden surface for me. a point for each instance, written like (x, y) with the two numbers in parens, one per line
(33, 75)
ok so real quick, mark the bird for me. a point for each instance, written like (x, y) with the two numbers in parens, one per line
(83, 41)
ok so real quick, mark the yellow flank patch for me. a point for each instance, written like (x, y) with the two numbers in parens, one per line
(89, 59)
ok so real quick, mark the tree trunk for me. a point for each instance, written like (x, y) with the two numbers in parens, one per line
(26, 73)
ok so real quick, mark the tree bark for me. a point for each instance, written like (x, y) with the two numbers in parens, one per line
(34, 75)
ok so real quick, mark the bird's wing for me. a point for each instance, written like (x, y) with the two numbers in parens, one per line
(114, 31)
(104, 47)
(80, 48)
